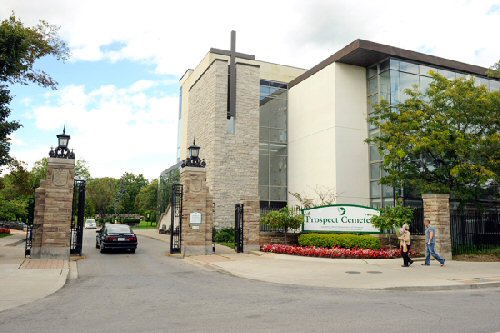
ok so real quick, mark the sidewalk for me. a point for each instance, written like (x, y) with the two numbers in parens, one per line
(26, 280)
(354, 273)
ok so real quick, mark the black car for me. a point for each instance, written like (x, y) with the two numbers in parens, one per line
(116, 236)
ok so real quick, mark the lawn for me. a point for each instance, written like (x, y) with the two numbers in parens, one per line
(145, 225)
(4, 235)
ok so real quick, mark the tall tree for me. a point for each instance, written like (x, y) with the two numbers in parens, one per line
(82, 170)
(446, 140)
(128, 187)
(147, 199)
(20, 47)
(101, 194)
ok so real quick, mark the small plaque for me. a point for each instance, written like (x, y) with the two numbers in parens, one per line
(195, 218)
(195, 227)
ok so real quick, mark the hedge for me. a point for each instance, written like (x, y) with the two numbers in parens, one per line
(347, 241)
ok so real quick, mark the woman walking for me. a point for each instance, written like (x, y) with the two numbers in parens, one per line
(404, 244)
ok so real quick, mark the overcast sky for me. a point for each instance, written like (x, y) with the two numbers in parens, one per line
(118, 94)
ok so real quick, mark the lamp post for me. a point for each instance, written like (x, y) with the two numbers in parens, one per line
(62, 150)
(193, 160)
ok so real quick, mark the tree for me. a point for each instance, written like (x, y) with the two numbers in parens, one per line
(445, 140)
(494, 70)
(82, 170)
(20, 47)
(15, 192)
(128, 187)
(147, 200)
(392, 218)
(284, 218)
(100, 195)
(39, 171)
(165, 188)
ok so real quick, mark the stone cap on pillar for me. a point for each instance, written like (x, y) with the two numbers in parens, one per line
(193, 169)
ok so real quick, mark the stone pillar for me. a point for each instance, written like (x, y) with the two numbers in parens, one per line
(196, 238)
(53, 209)
(437, 210)
(251, 224)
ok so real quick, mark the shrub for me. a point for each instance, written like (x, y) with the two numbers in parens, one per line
(131, 221)
(225, 235)
(347, 241)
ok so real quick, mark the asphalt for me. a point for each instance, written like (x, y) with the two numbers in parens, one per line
(26, 280)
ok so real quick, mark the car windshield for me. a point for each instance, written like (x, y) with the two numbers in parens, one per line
(90, 221)
(118, 229)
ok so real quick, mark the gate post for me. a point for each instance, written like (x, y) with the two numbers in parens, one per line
(197, 212)
(251, 233)
(53, 208)
(437, 210)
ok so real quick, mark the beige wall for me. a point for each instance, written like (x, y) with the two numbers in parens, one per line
(327, 128)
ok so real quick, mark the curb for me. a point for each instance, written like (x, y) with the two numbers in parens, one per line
(446, 287)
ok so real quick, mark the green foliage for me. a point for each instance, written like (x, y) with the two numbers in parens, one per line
(20, 47)
(147, 199)
(100, 194)
(39, 171)
(82, 170)
(166, 181)
(128, 187)
(284, 218)
(225, 235)
(347, 241)
(494, 70)
(130, 221)
(393, 217)
(446, 140)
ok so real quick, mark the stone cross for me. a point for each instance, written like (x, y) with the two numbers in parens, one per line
(231, 110)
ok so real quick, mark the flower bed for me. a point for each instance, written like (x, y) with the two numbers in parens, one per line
(336, 252)
(4, 231)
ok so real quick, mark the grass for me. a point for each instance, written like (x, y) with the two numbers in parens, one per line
(484, 255)
(228, 244)
(145, 225)
(4, 235)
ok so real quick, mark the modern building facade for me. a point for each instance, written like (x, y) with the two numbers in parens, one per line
(298, 131)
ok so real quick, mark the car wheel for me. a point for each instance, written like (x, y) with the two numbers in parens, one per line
(132, 250)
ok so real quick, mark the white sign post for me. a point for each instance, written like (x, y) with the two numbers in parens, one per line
(340, 218)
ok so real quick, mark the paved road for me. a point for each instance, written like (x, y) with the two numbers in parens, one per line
(150, 292)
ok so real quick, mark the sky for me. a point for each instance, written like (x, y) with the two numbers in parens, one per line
(118, 94)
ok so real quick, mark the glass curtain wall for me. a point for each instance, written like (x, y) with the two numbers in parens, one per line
(273, 144)
(387, 80)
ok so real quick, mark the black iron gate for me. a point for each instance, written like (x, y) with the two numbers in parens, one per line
(238, 228)
(474, 231)
(176, 219)
(77, 217)
(29, 227)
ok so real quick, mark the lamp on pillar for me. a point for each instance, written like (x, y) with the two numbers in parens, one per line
(62, 150)
(193, 159)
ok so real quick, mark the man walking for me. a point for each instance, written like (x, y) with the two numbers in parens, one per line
(430, 243)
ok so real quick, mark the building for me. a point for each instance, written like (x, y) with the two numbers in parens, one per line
(298, 131)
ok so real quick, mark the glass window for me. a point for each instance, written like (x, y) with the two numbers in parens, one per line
(424, 70)
(494, 85)
(372, 71)
(375, 189)
(264, 91)
(277, 135)
(277, 113)
(482, 81)
(264, 192)
(375, 204)
(264, 148)
(263, 134)
(231, 125)
(277, 167)
(374, 154)
(394, 75)
(263, 169)
(385, 86)
(384, 65)
(388, 191)
(447, 74)
(406, 81)
(277, 149)
(425, 83)
(374, 132)
(372, 86)
(372, 100)
(394, 64)
(277, 193)
(375, 171)
(408, 67)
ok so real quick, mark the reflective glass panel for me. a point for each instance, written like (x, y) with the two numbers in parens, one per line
(375, 204)
(494, 85)
(263, 134)
(375, 189)
(375, 171)
(277, 171)
(372, 71)
(277, 193)
(263, 169)
(394, 87)
(372, 100)
(394, 64)
(374, 154)
(277, 113)
(277, 149)
(447, 74)
(373, 85)
(425, 83)
(264, 192)
(406, 81)
(385, 86)
(408, 67)
(482, 81)
(388, 191)
(424, 70)
(277, 135)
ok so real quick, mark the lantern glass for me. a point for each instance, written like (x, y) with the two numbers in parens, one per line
(194, 151)
(63, 141)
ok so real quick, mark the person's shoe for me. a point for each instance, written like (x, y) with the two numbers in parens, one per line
(405, 266)
(425, 264)
(411, 262)
(442, 264)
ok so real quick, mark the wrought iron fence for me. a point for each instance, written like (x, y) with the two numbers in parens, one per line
(417, 225)
(267, 228)
(474, 231)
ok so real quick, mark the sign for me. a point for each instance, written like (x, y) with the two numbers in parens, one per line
(195, 218)
(340, 218)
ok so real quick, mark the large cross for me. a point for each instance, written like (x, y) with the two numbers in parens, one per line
(231, 110)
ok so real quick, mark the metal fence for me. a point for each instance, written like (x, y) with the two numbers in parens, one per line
(474, 231)
(267, 228)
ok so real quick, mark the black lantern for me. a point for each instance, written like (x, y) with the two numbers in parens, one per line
(194, 157)
(62, 150)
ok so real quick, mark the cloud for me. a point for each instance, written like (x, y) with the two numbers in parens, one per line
(114, 129)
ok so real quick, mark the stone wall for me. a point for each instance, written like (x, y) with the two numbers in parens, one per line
(278, 238)
(232, 169)
(53, 208)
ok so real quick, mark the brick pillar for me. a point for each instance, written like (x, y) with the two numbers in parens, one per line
(251, 226)
(53, 208)
(437, 210)
(196, 238)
